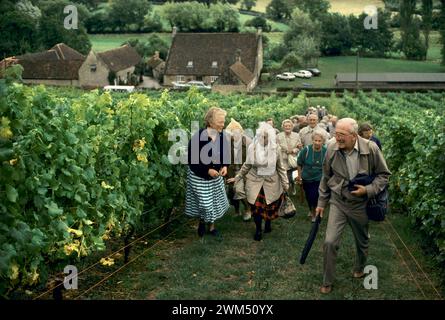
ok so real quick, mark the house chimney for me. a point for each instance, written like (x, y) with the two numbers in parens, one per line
(174, 30)
(259, 31)
(156, 55)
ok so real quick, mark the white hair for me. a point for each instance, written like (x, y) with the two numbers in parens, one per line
(286, 121)
(320, 134)
(350, 122)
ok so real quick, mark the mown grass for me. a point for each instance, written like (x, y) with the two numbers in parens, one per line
(103, 42)
(239, 268)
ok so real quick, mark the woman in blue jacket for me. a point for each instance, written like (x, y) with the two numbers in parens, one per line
(208, 160)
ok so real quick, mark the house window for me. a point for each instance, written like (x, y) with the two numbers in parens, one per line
(180, 78)
(93, 68)
(215, 64)
(190, 64)
(213, 78)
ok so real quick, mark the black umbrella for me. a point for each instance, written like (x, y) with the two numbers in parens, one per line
(310, 239)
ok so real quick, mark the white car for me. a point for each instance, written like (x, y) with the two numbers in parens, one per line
(199, 85)
(286, 76)
(180, 85)
(303, 74)
(119, 88)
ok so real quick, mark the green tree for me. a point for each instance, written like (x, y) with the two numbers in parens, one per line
(303, 29)
(124, 13)
(392, 5)
(442, 29)
(248, 4)
(301, 24)
(373, 42)
(224, 17)
(291, 60)
(307, 49)
(336, 35)
(427, 21)
(99, 21)
(146, 48)
(17, 28)
(152, 22)
(276, 52)
(52, 30)
(410, 44)
(315, 8)
(91, 4)
(279, 10)
(187, 16)
(259, 22)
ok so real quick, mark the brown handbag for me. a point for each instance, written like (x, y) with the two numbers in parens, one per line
(287, 208)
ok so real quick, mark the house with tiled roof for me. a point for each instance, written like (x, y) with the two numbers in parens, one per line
(229, 61)
(56, 66)
(62, 65)
(100, 68)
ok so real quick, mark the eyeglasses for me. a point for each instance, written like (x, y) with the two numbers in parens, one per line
(341, 135)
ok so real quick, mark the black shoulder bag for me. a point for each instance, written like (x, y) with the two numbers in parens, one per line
(377, 206)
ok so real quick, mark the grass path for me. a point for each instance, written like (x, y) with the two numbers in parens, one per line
(237, 267)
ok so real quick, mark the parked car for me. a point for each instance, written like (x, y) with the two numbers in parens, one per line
(303, 74)
(119, 88)
(285, 76)
(180, 85)
(315, 72)
(199, 85)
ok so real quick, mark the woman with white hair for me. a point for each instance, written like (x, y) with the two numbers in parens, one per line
(290, 145)
(266, 179)
(208, 160)
(310, 167)
(239, 144)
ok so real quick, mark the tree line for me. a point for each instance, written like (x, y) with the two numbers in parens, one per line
(34, 25)
(338, 34)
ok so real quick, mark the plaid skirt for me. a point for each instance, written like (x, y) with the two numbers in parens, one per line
(205, 199)
(266, 211)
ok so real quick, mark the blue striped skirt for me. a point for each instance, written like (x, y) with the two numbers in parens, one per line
(205, 199)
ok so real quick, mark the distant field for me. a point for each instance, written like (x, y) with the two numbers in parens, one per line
(329, 66)
(342, 6)
(353, 6)
(103, 42)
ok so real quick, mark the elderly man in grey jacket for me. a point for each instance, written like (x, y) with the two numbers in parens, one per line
(349, 156)
(306, 132)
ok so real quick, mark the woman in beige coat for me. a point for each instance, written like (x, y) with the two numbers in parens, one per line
(290, 145)
(266, 179)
